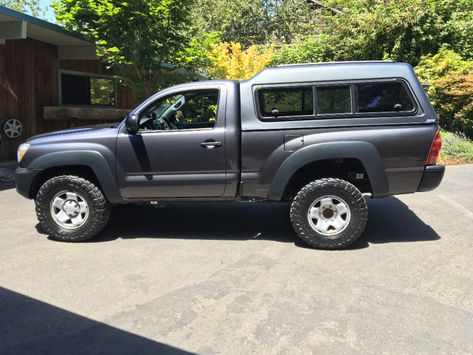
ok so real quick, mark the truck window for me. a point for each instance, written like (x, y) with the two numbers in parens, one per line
(333, 99)
(383, 97)
(187, 110)
(282, 102)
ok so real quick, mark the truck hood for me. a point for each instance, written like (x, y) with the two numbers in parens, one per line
(73, 132)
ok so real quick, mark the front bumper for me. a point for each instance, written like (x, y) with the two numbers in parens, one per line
(432, 177)
(24, 179)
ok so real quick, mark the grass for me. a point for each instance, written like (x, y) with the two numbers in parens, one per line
(455, 149)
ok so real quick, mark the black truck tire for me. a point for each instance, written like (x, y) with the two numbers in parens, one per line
(329, 213)
(71, 209)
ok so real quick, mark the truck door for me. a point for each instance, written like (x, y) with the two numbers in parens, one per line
(179, 150)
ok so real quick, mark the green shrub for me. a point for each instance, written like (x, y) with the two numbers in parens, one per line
(452, 97)
(445, 62)
(451, 90)
(455, 149)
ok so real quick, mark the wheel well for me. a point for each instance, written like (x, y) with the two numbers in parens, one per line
(348, 169)
(77, 170)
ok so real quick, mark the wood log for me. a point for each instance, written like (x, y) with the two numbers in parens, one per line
(84, 113)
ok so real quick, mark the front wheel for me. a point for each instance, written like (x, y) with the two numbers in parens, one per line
(329, 213)
(71, 209)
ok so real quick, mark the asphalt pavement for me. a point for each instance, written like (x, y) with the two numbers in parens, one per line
(232, 278)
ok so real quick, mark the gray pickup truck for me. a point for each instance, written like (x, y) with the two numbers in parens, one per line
(319, 136)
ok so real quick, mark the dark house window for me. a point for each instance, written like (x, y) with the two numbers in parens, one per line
(383, 97)
(87, 90)
(333, 99)
(286, 102)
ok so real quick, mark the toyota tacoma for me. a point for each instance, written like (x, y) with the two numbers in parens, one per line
(322, 137)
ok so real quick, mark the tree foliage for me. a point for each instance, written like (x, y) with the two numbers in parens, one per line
(143, 40)
(402, 30)
(453, 100)
(456, 31)
(229, 61)
(251, 22)
(30, 7)
(451, 90)
(445, 62)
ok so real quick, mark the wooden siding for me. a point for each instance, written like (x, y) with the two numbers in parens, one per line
(27, 68)
(29, 82)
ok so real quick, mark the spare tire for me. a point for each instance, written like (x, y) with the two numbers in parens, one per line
(11, 128)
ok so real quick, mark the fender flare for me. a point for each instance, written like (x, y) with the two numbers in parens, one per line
(89, 158)
(363, 151)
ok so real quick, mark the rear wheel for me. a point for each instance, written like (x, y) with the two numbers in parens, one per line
(329, 213)
(71, 209)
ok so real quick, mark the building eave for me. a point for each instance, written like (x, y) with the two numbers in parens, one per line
(19, 16)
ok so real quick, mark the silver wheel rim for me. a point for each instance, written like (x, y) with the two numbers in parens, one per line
(13, 128)
(69, 209)
(329, 215)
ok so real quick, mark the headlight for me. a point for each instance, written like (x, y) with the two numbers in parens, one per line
(22, 149)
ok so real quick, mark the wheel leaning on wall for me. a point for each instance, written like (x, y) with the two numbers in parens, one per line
(11, 128)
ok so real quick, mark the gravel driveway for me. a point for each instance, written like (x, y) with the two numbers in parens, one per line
(233, 279)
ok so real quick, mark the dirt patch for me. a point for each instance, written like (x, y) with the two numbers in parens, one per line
(454, 161)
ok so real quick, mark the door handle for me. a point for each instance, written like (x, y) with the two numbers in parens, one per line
(210, 144)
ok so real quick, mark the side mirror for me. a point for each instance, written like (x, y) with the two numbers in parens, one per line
(131, 123)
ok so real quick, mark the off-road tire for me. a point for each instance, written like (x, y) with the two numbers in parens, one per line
(99, 208)
(335, 187)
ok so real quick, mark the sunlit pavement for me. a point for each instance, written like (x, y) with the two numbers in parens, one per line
(233, 278)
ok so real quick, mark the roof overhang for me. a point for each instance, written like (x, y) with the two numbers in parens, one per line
(16, 25)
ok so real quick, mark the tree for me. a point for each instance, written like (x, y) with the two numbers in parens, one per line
(143, 40)
(229, 61)
(31, 7)
(251, 22)
(402, 30)
(456, 25)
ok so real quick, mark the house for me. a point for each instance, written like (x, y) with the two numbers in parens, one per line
(51, 79)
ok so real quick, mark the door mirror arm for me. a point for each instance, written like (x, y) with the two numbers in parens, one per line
(131, 123)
